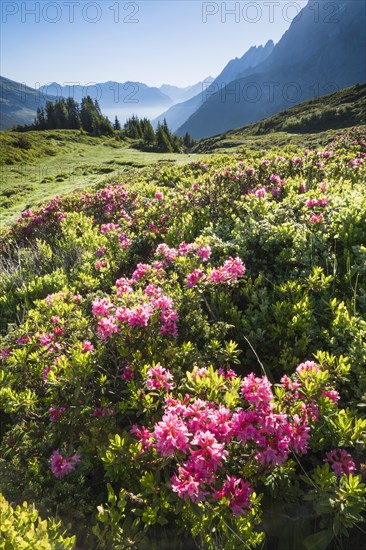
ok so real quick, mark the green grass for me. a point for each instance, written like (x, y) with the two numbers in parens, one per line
(35, 166)
(309, 124)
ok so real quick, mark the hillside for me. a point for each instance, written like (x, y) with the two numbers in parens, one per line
(182, 358)
(316, 55)
(19, 103)
(178, 114)
(309, 123)
(38, 165)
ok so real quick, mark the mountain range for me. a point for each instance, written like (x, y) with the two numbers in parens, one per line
(178, 114)
(320, 53)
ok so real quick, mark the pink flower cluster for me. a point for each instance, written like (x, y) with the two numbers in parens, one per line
(316, 202)
(102, 411)
(316, 218)
(229, 272)
(197, 276)
(157, 378)
(61, 466)
(341, 462)
(55, 414)
(111, 316)
(237, 492)
(355, 163)
(170, 254)
(201, 434)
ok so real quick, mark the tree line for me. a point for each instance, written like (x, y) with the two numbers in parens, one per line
(162, 140)
(67, 114)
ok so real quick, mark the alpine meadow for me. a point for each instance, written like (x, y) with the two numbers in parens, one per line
(183, 284)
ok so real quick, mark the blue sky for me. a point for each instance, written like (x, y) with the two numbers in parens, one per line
(155, 42)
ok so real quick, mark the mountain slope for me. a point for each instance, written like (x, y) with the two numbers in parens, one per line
(18, 103)
(315, 56)
(341, 109)
(178, 95)
(178, 114)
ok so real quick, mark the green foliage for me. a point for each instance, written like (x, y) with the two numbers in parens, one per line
(22, 528)
(71, 387)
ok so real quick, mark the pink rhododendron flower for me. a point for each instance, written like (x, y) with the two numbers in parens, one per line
(128, 373)
(187, 485)
(106, 327)
(204, 252)
(229, 272)
(4, 353)
(153, 291)
(211, 453)
(55, 319)
(237, 492)
(316, 202)
(169, 317)
(308, 366)
(140, 271)
(227, 373)
(257, 391)
(333, 395)
(125, 241)
(185, 248)
(157, 378)
(197, 276)
(61, 466)
(260, 193)
(341, 462)
(107, 227)
(100, 252)
(140, 315)
(159, 195)
(45, 374)
(47, 339)
(87, 346)
(102, 411)
(124, 285)
(168, 253)
(316, 218)
(171, 435)
(143, 435)
(55, 414)
(100, 264)
(101, 307)
(122, 314)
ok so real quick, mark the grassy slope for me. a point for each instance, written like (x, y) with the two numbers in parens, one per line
(38, 165)
(35, 166)
(310, 124)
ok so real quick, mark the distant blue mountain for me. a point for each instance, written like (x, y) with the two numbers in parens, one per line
(178, 114)
(322, 51)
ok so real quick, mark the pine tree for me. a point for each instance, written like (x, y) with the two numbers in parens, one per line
(148, 131)
(40, 121)
(188, 141)
(73, 112)
(116, 125)
(50, 116)
(162, 140)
